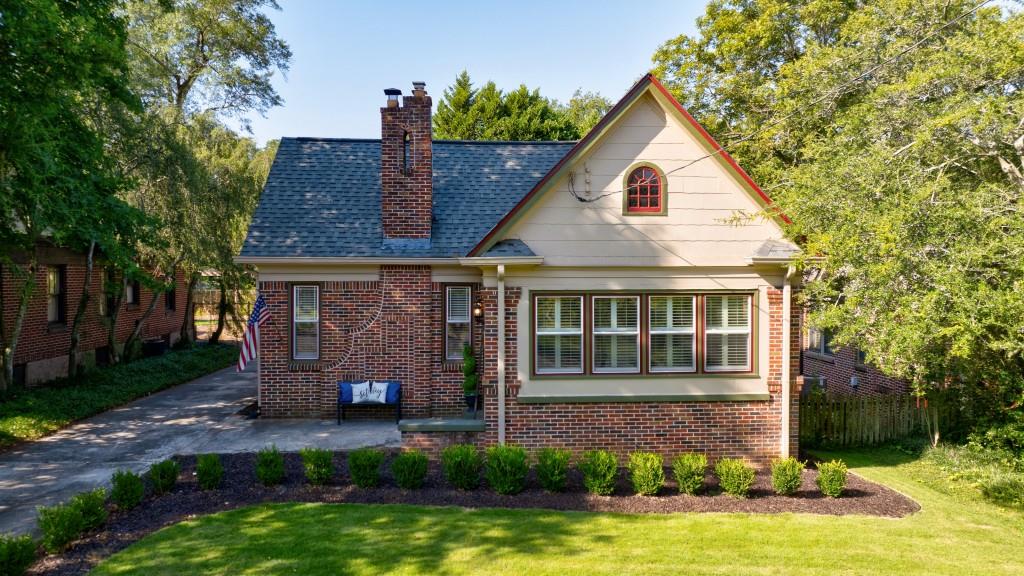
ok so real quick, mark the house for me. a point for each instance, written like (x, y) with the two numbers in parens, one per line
(842, 370)
(45, 340)
(612, 286)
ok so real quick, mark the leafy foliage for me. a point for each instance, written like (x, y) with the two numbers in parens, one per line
(832, 478)
(600, 469)
(364, 466)
(164, 475)
(689, 470)
(270, 466)
(318, 464)
(506, 468)
(127, 489)
(995, 474)
(787, 475)
(410, 469)
(209, 471)
(553, 468)
(470, 377)
(735, 476)
(17, 553)
(63, 523)
(646, 472)
(461, 464)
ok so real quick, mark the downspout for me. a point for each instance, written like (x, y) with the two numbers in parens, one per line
(501, 353)
(787, 305)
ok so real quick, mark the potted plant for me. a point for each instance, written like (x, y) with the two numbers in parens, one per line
(470, 379)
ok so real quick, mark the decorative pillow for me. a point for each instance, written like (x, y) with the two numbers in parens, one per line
(360, 392)
(373, 394)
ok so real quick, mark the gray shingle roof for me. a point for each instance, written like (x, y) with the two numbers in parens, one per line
(322, 197)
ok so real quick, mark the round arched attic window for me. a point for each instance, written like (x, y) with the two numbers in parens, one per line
(645, 190)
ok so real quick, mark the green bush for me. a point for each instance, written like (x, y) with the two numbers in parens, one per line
(689, 470)
(506, 468)
(600, 469)
(787, 475)
(163, 476)
(16, 554)
(127, 489)
(318, 464)
(92, 507)
(269, 466)
(461, 464)
(410, 469)
(832, 478)
(209, 471)
(553, 468)
(734, 476)
(364, 466)
(63, 523)
(646, 472)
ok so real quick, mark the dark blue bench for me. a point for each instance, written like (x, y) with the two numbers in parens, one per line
(393, 396)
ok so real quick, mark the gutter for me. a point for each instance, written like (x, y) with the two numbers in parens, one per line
(502, 260)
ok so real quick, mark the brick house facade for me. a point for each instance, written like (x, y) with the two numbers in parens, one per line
(632, 316)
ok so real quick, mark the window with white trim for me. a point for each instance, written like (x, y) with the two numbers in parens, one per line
(727, 333)
(616, 333)
(673, 338)
(305, 322)
(458, 328)
(820, 341)
(559, 334)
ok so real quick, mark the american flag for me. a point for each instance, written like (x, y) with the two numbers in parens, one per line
(251, 338)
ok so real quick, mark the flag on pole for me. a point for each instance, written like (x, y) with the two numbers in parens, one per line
(251, 337)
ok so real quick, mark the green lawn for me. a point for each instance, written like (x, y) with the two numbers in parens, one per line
(31, 413)
(953, 534)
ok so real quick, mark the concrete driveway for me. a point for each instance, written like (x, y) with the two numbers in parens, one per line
(197, 417)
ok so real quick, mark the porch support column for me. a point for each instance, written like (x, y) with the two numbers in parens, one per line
(501, 353)
(787, 296)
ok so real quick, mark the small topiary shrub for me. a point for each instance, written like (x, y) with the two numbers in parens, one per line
(507, 468)
(599, 469)
(163, 476)
(689, 470)
(734, 476)
(16, 554)
(461, 464)
(787, 475)
(270, 466)
(209, 471)
(91, 507)
(127, 489)
(410, 469)
(646, 472)
(318, 464)
(63, 523)
(553, 468)
(364, 466)
(832, 478)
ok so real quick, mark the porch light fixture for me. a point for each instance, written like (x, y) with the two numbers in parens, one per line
(392, 94)
(478, 309)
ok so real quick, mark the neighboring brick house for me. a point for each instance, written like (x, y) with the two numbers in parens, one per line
(42, 352)
(611, 296)
(842, 371)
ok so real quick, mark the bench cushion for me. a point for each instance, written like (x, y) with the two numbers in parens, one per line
(394, 387)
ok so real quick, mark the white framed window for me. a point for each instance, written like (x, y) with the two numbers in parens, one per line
(56, 304)
(727, 333)
(305, 322)
(820, 341)
(673, 337)
(616, 334)
(558, 347)
(458, 328)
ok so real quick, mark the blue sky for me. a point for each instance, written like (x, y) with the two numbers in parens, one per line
(346, 52)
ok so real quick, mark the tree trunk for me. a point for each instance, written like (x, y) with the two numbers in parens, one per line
(115, 311)
(76, 324)
(11, 346)
(222, 310)
(188, 325)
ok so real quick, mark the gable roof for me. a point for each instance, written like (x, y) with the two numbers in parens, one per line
(322, 198)
(648, 83)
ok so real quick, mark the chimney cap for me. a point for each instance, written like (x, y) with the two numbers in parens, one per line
(420, 85)
(392, 92)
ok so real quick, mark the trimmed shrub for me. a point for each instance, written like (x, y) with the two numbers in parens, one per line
(646, 472)
(689, 470)
(787, 475)
(599, 469)
(553, 468)
(63, 523)
(832, 478)
(91, 507)
(364, 466)
(461, 464)
(127, 489)
(16, 554)
(163, 476)
(209, 471)
(318, 465)
(734, 476)
(507, 468)
(410, 469)
(270, 466)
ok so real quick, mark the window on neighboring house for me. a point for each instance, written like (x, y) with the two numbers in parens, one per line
(457, 321)
(727, 333)
(133, 292)
(820, 341)
(672, 333)
(108, 286)
(616, 333)
(862, 358)
(644, 189)
(559, 334)
(56, 297)
(306, 322)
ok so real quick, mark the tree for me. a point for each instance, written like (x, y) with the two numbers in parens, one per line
(455, 118)
(586, 109)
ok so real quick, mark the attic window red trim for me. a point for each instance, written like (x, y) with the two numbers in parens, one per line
(643, 190)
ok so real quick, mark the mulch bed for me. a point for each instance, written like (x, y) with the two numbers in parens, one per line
(241, 488)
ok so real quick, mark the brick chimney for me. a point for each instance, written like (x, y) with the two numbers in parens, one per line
(406, 167)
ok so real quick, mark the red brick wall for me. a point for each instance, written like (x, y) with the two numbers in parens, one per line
(406, 196)
(841, 366)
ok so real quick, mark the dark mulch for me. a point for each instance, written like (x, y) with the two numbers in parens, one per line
(241, 488)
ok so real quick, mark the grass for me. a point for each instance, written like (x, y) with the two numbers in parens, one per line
(970, 471)
(951, 535)
(30, 413)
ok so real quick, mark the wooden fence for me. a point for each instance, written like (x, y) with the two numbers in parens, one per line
(852, 421)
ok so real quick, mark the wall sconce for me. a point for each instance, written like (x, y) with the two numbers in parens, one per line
(478, 309)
